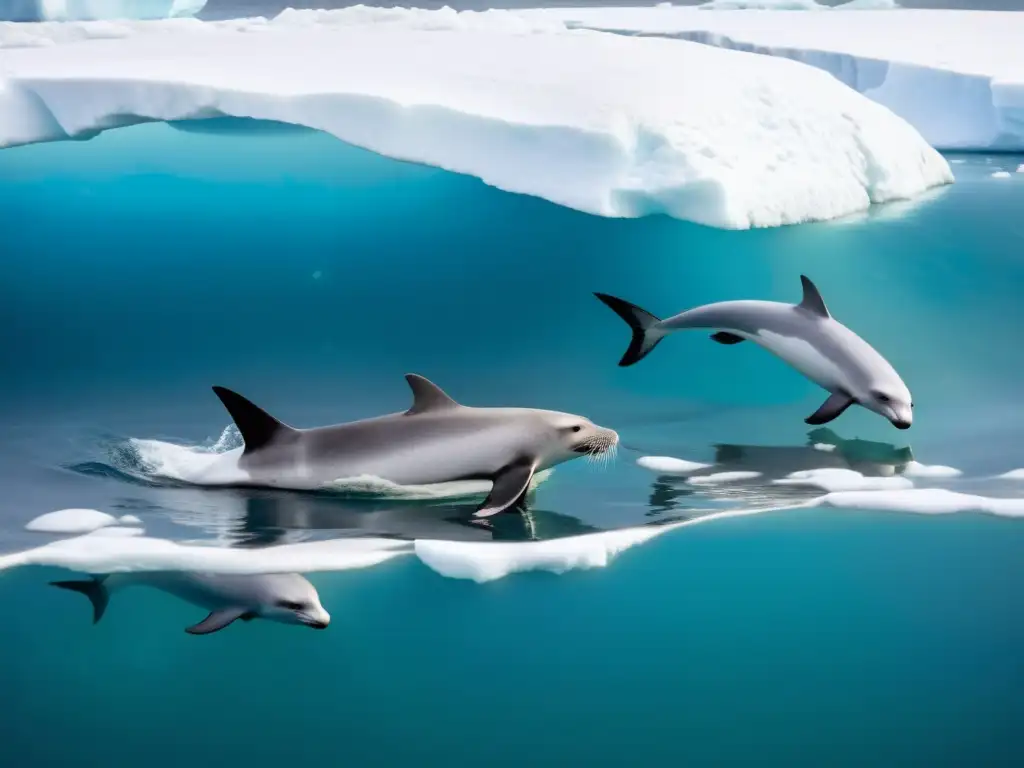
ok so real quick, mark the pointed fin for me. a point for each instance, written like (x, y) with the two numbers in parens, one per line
(724, 337)
(92, 589)
(812, 301)
(427, 396)
(258, 427)
(216, 621)
(645, 335)
(510, 486)
(836, 403)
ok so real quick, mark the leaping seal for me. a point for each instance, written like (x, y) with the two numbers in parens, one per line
(804, 335)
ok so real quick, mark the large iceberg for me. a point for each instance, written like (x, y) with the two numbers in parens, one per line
(956, 76)
(608, 124)
(92, 10)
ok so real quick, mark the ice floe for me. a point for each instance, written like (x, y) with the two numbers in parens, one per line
(837, 479)
(603, 123)
(916, 469)
(957, 76)
(77, 521)
(1013, 474)
(1001, 175)
(928, 501)
(89, 10)
(670, 466)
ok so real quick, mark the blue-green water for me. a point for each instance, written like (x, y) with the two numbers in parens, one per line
(152, 262)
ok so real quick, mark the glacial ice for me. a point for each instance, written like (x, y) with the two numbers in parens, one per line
(607, 124)
(92, 10)
(956, 76)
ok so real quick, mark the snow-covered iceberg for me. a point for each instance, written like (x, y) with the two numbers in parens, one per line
(603, 123)
(956, 76)
(92, 10)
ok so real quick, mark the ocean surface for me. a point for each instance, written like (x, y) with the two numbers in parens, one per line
(150, 263)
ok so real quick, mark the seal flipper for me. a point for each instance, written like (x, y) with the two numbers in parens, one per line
(510, 486)
(427, 396)
(724, 337)
(641, 322)
(812, 301)
(833, 407)
(217, 620)
(94, 590)
(258, 427)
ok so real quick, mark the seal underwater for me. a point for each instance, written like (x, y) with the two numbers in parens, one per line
(437, 440)
(804, 335)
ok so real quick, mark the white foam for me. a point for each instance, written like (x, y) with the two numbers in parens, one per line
(1001, 175)
(956, 76)
(670, 466)
(217, 465)
(916, 469)
(926, 501)
(836, 479)
(607, 124)
(1013, 474)
(71, 521)
(720, 478)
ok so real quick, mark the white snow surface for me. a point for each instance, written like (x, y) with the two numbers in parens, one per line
(956, 76)
(77, 521)
(603, 123)
(796, 5)
(92, 10)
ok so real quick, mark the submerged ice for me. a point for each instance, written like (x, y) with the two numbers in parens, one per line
(603, 123)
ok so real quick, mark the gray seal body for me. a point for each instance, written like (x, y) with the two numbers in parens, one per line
(437, 440)
(286, 598)
(804, 335)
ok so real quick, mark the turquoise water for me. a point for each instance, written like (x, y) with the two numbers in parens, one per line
(150, 263)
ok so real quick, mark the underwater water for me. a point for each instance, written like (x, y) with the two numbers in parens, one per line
(152, 262)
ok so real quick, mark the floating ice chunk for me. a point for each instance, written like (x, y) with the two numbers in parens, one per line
(824, 447)
(1013, 474)
(670, 466)
(916, 469)
(927, 501)
(90, 10)
(71, 521)
(1020, 168)
(129, 520)
(761, 5)
(112, 554)
(836, 479)
(708, 135)
(723, 477)
(486, 561)
(1001, 175)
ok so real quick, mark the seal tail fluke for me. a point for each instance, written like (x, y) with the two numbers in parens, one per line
(641, 322)
(92, 589)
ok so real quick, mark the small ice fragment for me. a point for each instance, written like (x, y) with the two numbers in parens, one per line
(1013, 474)
(824, 447)
(670, 466)
(129, 520)
(71, 521)
(835, 479)
(1001, 175)
(723, 477)
(916, 469)
(1020, 168)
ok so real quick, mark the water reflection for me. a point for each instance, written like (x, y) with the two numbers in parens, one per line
(824, 450)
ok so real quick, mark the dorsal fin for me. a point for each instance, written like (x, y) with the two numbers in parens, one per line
(427, 396)
(258, 427)
(812, 300)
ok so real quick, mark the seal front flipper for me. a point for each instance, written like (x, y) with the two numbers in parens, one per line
(724, 337)
(218, 620)
(837, 403)
(510, 486)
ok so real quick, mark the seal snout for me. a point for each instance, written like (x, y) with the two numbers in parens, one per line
(901, 424)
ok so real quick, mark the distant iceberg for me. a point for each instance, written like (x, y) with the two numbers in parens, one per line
(95, 10)
(608, 124)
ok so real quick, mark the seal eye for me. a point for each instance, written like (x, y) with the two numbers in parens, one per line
(288, 605)
(577, 428)
(882, 397)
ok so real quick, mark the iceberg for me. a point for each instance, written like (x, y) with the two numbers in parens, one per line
(603, 123)
(956, 76)
(92, 10)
